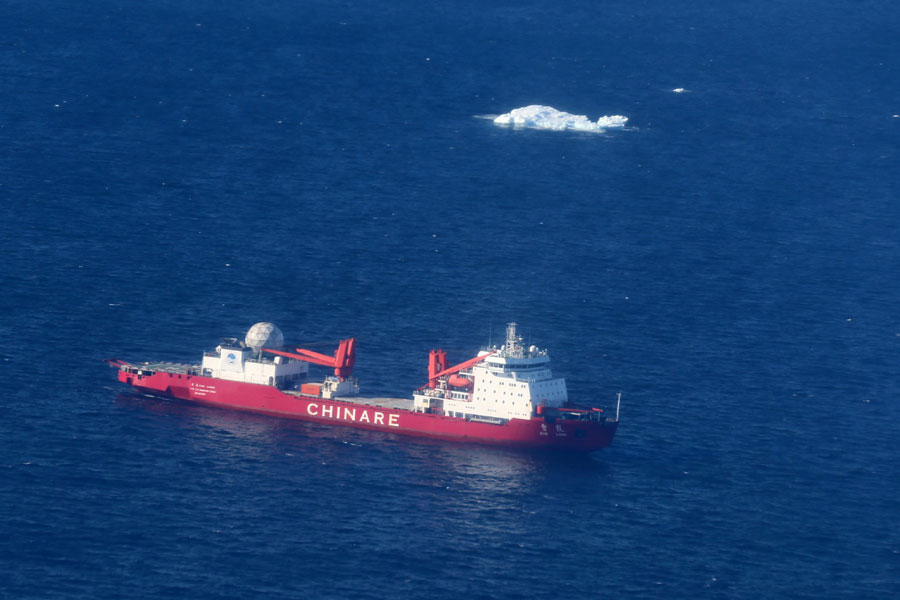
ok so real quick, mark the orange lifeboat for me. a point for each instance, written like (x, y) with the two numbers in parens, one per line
(459, 382)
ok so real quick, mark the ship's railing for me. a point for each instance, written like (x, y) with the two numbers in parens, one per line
(489, 420)
(162, 367)
(262, 360)
(575, 414)
(584, 414)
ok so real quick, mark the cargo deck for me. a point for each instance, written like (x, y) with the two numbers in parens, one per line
(396, 403)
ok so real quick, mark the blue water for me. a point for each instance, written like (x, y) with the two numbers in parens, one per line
(173, 172)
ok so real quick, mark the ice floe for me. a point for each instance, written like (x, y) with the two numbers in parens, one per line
(547, 117)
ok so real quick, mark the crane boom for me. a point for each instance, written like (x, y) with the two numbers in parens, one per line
(342, 361)
(457, 368)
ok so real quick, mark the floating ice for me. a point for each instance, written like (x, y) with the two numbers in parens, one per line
(547, 117)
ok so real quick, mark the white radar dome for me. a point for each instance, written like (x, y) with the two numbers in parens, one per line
(264, 335)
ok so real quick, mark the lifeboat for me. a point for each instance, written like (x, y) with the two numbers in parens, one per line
(459, 382)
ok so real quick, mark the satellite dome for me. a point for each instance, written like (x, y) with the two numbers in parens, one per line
(264, 335)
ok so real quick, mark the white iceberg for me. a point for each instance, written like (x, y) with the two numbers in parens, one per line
(547, 117)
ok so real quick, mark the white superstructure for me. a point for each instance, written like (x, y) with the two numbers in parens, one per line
(511, 382)
(260, 359)
(234, 361)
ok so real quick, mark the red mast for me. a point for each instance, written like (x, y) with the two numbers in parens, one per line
(437, 362)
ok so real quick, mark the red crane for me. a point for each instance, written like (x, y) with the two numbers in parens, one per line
(437, 361)
(342, 361)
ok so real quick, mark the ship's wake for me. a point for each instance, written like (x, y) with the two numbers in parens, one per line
(537, 116)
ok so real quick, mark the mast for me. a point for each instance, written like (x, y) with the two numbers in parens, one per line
(513, 349)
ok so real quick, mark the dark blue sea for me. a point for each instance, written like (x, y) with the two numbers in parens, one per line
(172, 172)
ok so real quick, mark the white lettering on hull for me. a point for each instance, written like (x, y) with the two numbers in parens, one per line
(345, 413)
(202, 389)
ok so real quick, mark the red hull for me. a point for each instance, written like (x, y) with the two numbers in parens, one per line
(537, 432)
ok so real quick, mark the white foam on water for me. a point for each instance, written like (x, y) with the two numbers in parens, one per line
(537, 116)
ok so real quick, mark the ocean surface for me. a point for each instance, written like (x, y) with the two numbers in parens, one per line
(173, 172)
